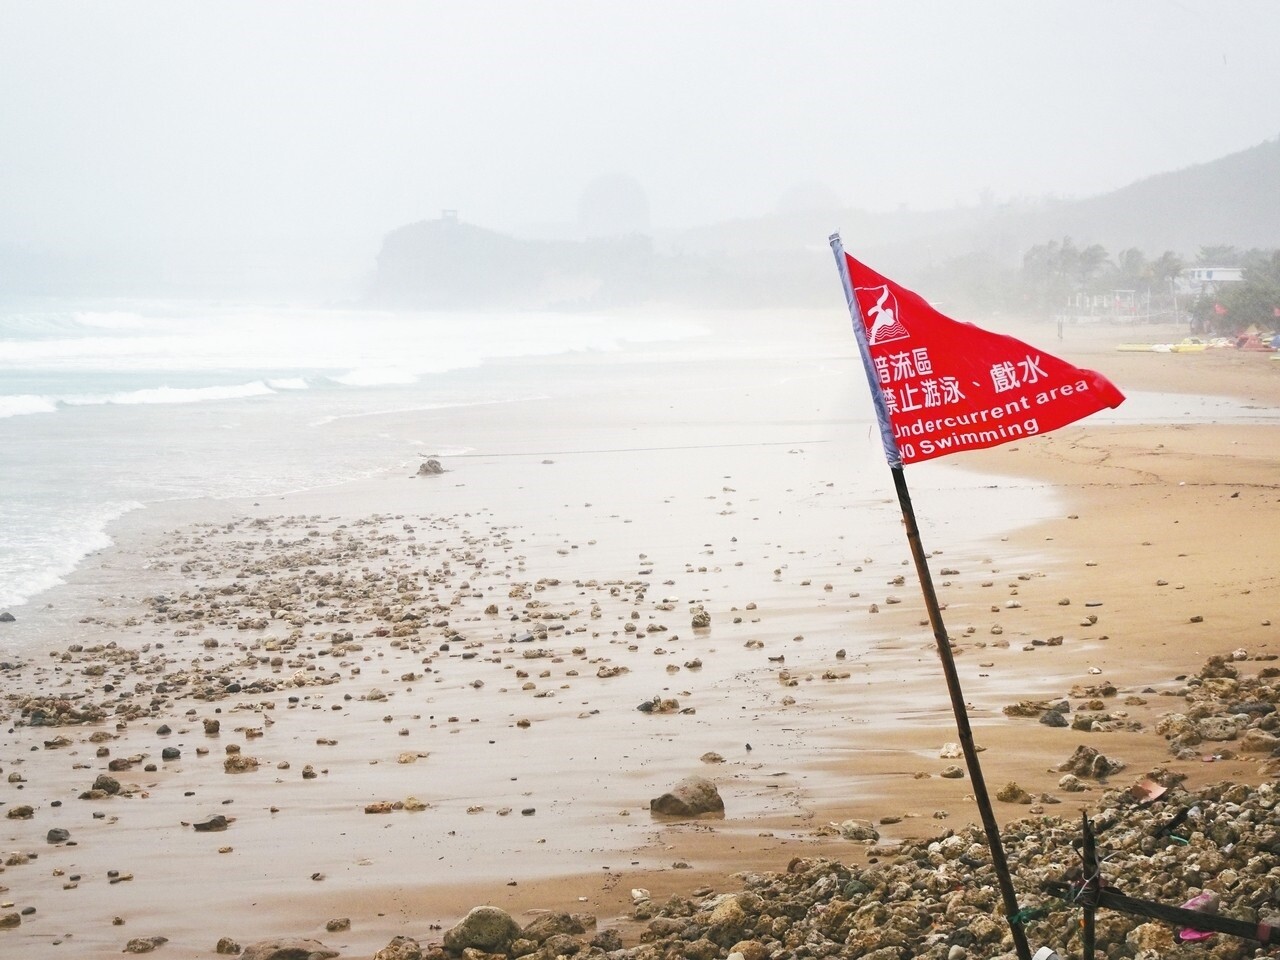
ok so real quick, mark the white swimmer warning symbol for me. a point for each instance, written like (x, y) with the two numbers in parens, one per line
(885, 324)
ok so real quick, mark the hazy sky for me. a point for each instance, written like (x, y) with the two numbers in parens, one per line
(140, 121)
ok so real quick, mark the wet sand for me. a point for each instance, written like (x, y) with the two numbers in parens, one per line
(439, 676)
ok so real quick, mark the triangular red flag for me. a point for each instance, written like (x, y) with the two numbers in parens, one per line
(950, 386)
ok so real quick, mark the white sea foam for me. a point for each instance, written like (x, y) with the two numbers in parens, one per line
(151, 366)
(45, 562)
(110, 319)
(25, 403)
(355, 347)
(288, 383)
(99, 352)
(257, 388)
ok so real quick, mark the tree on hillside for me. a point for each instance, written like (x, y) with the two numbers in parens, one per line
(1252, 302)
(1261, 266)
(1053, 271)
(1132, 267)
(1153, 279)
(1166, 268)
(1047, 271)
(1222, 255)
(1090, 262)
(972, 283)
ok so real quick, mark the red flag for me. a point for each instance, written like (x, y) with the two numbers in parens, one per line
(951, 386)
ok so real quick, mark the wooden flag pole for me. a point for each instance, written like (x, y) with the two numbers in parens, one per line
(961, 712)
(958, 707)
(1092, 884)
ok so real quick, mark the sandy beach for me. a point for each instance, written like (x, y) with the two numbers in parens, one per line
(415, 694)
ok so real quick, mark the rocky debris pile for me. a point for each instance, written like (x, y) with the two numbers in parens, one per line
(58, 711)
(1224, 706)
(937, 898)
(307, 609)
(1226, 714)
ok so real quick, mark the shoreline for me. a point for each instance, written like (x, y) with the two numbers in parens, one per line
(807, 756)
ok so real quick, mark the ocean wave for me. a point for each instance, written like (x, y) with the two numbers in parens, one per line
(359, 348)
(25, 403)
(51, 333)
(257, 388)
(288, 383)
(46, 561)
(110, 319)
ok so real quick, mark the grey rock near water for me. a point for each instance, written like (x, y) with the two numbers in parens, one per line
(484, 928)
(430, 468)
(691, 797)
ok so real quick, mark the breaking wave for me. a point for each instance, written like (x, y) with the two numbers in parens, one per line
(25, 403)
(257, 388)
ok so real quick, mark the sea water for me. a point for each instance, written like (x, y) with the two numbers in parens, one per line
(107, 407)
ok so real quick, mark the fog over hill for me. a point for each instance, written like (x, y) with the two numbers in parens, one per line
(248, 150)
(607, 254)
(783, 258)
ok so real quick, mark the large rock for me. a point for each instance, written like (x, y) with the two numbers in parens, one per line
(859, 830)
(144, 944)
(1088, 762)
(1259, 741)
(1054, 718)
(691, 797)
(400, 948)
(484, 928)
(287, 948)
(549, 924)
(1011, 792)
(106, 784)
(1217, 728)
(732, 919)
(750, 950)
(610, 940)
